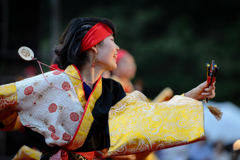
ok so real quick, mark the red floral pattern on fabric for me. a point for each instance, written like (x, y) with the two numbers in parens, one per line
(60, 155)
(74, 116)
(28, 90)
(66, 137)
(54, 136)
(66, 86)
(52, 108)
(56, 72)
(52, 129)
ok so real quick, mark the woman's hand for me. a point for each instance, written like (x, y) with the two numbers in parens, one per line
(202, 91)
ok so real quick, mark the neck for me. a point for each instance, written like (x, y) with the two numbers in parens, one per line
(89, 74)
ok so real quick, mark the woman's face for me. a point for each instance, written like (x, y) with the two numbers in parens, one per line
(107, 54)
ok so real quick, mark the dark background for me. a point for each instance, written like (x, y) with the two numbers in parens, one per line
(171, 40)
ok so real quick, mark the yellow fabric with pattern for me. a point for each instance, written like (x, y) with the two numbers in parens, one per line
(76, 82)
(8, 104)
(86, 122)
(27, 153)
(137, 126)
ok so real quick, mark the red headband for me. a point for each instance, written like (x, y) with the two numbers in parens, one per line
(95, 35)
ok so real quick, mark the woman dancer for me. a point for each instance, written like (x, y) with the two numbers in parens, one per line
(90, 113)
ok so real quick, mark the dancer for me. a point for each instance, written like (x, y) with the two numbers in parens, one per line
(78, 111)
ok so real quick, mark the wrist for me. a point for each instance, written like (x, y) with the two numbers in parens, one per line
(187, 95)
(191, 94)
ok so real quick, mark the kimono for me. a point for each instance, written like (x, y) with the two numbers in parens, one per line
(125, 124)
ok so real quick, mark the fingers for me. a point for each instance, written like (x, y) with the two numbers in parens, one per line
(203, 85)
(202, 91)
(210, 88)
(209, 94)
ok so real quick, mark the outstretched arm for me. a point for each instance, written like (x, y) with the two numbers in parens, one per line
(202, 91)
(137, 126)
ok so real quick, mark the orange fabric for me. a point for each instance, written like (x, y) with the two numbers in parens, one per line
(9, 127)
(87, 155)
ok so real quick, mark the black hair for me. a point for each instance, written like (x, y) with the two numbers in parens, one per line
(68, 51)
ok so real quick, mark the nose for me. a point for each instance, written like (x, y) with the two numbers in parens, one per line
(117, 48)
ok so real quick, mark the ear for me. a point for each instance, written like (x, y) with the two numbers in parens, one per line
(94, 48)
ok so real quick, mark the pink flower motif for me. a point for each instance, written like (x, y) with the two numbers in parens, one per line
(52, 108)
(74, 116)
(52, 128)
(54, 136)
(56, 72)
(66, 137)
(66, 86)
(28, 90)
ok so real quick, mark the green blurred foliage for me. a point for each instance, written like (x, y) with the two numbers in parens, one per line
(171, 40)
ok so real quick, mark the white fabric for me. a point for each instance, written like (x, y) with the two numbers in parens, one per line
(51, 112)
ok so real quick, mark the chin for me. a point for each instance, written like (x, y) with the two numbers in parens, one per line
(114, 67)
(110, 68)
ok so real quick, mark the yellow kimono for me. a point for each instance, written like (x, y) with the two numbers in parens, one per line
(125, 124)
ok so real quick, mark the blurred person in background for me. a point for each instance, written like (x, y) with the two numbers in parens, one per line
(175, 153)
(200, 151)
(125, 71)
(219, 152)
